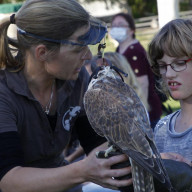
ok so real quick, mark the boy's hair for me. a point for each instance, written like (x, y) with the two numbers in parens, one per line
(175, 40)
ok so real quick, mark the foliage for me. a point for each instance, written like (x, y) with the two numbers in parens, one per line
(139, 8)
(143, 8)
(185, 5)
(10, 1)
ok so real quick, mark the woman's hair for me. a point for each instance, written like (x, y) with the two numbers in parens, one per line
(52, 19)
(129, 20)
(121, 62)
(174, 40)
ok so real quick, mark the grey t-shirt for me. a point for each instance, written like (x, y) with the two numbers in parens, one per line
(21, 113)
(168, 140)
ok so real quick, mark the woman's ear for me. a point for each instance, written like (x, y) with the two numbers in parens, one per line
(41, 52)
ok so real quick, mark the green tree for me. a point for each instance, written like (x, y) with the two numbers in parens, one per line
(138, 8)
(10, 1)
(143, 8)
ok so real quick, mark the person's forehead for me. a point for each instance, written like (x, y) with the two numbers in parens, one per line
(119, 19)
(80, 32)
(171, 58)
(89, 34)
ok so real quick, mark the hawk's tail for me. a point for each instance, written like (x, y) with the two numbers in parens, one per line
(167, 183)
(142, 180)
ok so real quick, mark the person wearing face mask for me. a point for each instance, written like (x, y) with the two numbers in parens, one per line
(123, 31)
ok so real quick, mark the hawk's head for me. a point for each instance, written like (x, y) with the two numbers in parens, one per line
(102, 73)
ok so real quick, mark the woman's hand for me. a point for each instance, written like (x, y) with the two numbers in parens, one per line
(176, 157)
(99, 171)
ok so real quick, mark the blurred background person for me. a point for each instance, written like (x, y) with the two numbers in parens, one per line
(123, 31)
(120, 62)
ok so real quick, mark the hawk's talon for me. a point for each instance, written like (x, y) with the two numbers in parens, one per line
(100, 154)
(109, 150)
(107, 153)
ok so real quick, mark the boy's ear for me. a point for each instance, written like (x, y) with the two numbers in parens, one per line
(41, 52)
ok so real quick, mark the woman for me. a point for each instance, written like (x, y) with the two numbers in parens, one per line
(170, 54)
(42, 87)
(123, 30)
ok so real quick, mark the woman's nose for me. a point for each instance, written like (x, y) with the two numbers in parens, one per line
(87, 55)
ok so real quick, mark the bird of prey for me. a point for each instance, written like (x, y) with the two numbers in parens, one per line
(115, 112)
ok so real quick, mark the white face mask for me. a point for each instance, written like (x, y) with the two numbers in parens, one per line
(119, 33)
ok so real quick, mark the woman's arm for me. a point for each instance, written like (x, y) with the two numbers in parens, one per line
(76, 154)
(24, 179)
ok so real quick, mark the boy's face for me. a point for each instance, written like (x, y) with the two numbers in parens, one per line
(178, 83)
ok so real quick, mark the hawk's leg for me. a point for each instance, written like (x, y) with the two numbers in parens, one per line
(107, 153)
(111, 149)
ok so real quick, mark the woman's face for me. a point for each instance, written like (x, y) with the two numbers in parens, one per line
(67, 63)
(119, 24)
(178, 83)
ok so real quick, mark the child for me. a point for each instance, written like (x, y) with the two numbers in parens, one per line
(170, 54)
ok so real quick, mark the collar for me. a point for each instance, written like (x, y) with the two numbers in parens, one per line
(17, 83)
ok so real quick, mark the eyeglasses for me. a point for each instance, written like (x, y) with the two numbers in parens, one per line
(177, 66)
(95, 34)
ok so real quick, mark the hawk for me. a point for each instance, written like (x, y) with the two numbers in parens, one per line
(115, 112)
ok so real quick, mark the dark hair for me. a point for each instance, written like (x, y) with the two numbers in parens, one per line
(129, 20)
(49, 19)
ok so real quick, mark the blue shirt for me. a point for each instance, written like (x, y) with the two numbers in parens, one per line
(168, 140)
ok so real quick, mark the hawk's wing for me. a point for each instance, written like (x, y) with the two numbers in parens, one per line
(115, 112)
